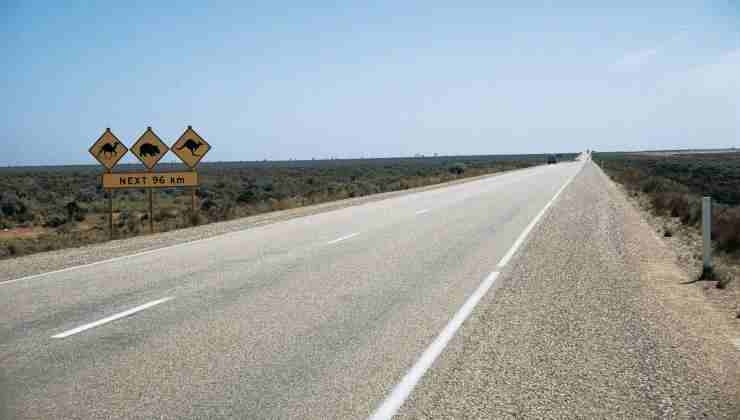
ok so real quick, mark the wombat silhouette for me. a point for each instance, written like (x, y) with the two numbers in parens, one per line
(148, 149)
(109, 149)
(191, 145)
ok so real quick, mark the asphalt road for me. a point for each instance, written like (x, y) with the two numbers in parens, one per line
(314, 317)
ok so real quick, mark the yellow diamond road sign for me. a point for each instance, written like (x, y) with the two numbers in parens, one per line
(108, 150)
(149, 149)
(190, 147)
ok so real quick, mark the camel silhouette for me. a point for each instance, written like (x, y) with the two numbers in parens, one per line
(109, 149)
(191, 145)
(148, 149)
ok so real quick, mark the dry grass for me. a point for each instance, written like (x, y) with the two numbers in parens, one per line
(674, 192)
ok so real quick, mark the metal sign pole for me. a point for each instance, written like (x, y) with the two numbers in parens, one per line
(110, 212)
(151, 210)
(193, 217)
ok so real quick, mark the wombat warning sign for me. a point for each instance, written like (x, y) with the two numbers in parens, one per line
(149, 149)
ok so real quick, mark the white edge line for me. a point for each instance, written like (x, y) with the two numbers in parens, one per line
(340, 239)
(120, 315)
(400, 392)
(422, 211)
(531, 225)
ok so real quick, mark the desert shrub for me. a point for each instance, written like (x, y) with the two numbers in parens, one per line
(631, 177)
(75, 211)
(692, 216)
(284, 204)
(12, 206)
(195, 219)
(207, 204)
(133, 222)
(658, 184)
(247, 196)
(663, 202)
(165, 214)
(86, 195)
(457, 168)
(55, 220)
(726, 228)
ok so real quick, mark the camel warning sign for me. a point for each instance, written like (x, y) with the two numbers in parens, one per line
(108, 150)
(149, 149)
(190, 147)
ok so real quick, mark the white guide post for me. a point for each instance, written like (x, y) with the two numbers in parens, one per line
(706, 229)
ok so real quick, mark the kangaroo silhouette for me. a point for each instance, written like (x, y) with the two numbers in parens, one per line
(148, 149)
(109, 149)
(191, 145)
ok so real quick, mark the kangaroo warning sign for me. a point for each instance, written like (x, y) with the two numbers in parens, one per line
(108, 150)
(149, 149)
(190, 147)
(150, 179)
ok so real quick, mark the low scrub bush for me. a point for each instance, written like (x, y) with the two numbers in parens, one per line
(675, 186)
(726, 229)
(659, 184)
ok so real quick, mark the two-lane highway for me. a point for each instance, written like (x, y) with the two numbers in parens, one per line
(316, 317)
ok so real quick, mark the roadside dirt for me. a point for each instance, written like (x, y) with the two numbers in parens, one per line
(686, 243)
(22, 232)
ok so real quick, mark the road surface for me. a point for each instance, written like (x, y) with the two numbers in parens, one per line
(315, 317)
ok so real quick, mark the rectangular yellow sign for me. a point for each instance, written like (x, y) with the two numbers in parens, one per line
(150, 180)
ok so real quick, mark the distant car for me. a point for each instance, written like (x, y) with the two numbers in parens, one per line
(551, 159)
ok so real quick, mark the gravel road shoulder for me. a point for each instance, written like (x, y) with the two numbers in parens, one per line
(591, 321)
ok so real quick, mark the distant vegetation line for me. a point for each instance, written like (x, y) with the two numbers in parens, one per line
(47, 208)
(675, 184)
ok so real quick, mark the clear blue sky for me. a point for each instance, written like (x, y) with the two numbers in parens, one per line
(281, 80)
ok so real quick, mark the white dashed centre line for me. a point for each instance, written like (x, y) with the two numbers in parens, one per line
(422, 211)
(343, 238)
(111, 318)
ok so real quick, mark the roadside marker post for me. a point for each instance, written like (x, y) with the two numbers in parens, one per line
(706, 230)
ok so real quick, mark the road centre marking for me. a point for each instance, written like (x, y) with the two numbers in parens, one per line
(398, 396)
(111, 318)
(343, 238)
(422, 211)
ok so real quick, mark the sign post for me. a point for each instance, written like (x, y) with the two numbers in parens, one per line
(108, 150)
(110, 213)
(193, 218)
(149, 149)
(191, 148)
